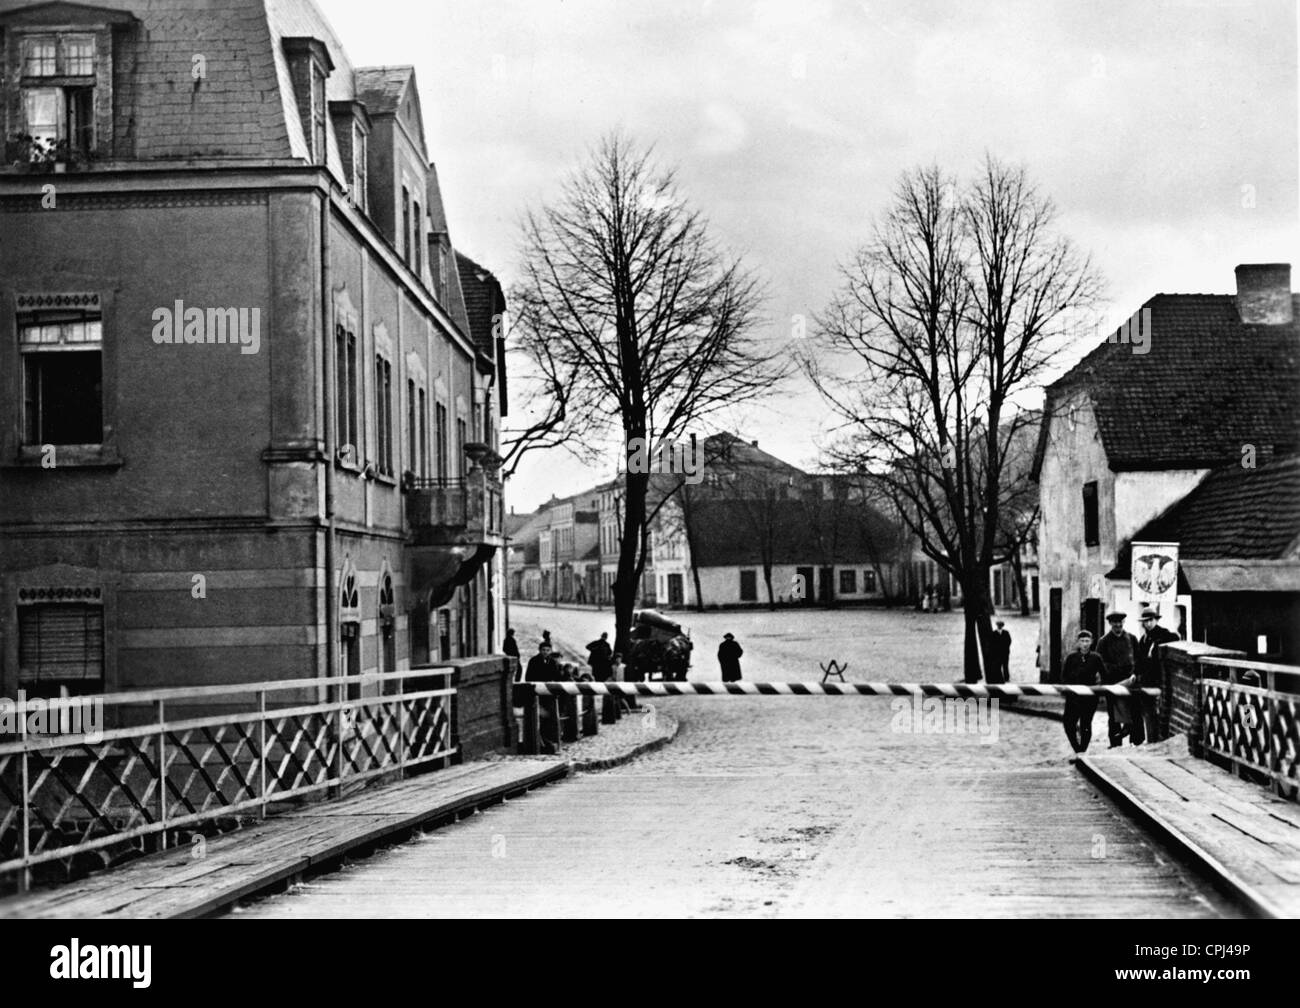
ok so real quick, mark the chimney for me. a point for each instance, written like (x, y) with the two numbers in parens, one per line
(754, 443)
(1264, 293)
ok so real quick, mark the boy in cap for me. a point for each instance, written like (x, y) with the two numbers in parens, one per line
(1118, 651)
(1082, 667)
(1148, 672)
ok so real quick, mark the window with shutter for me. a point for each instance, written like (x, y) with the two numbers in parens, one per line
(61, 645)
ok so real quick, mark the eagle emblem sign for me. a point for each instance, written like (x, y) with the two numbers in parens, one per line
(1154, 572)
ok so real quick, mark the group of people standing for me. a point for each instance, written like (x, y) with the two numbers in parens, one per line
(1120, 659)
(606, 664)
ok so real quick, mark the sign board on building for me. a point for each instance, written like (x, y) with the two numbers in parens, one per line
(1154, 572)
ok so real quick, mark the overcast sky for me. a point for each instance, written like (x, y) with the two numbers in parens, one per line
(1165, 130)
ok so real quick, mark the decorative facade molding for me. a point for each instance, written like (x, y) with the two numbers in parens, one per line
(31, 203)
(44, 302)
(60, 593)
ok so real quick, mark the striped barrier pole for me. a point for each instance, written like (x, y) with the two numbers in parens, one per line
(1002, 690)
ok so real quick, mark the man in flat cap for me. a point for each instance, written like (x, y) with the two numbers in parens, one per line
(1147, 671)
(1082, 667)
(1118, 651)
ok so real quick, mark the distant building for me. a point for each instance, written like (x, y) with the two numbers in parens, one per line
(1182, 427)
(716, 540)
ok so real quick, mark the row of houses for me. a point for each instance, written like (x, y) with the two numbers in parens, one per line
(756, 531)
(250, 390)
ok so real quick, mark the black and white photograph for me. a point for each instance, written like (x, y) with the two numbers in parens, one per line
(650, 459)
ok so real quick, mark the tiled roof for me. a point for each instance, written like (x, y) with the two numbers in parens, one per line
(1207, 385)
(1234, 514)
(483, 300)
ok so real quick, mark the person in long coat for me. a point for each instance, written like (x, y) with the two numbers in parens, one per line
(729, 652)
(599, 654)
(1148, 670)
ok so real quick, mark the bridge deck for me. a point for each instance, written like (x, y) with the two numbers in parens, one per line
(176, 883)
(1246, 836)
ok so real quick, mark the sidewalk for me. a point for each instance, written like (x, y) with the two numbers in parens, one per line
(202, 880)
(1241, 835)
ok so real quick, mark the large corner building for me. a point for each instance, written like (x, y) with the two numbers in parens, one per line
(249, 404)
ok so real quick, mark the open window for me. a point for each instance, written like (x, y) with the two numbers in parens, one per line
(62, 376)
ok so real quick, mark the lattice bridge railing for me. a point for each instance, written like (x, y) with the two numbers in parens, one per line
(1251, 720)
(162, 761)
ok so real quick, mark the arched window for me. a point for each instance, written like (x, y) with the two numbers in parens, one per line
(387, 627)
(349, 627)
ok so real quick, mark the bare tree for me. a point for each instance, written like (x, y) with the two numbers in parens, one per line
(641, 312)
(944, 320)
(548, 422)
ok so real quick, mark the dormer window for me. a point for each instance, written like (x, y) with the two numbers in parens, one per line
(58, 93)
(352, 134)
(57, 100)
(310, 66)
(359, 155)
(317, 116)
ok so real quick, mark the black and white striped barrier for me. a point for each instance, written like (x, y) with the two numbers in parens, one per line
(1003, 690)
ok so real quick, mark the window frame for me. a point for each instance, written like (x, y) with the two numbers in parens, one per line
(1091, 514)
(347, 417)
(36, 351)
(748, 580)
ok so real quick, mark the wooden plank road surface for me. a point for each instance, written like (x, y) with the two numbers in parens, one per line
(1240, 832)
(177, 883)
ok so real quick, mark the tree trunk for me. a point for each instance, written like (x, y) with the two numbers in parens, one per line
(1018, 573)
(767, 578)
(625, 582)
(980, 647)
(980, 650)
(971, 653)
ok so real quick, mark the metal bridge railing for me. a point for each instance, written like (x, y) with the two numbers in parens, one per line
(73, 803)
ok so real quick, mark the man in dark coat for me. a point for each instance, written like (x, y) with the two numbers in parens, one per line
(1118, 651)
(542, 666)
(1147, 671)
(1002, 638)
(599, 654)
(729, 652)
(1082, 667)
(510, 646)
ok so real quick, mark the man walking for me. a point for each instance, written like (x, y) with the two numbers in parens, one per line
(729, 652)
(510, 646)
(1148, 672)
(1082, 667)
(1002, 637)
(599, 654)
(1118, 651)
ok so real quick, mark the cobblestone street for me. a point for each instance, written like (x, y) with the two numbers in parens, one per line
(786, 807)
